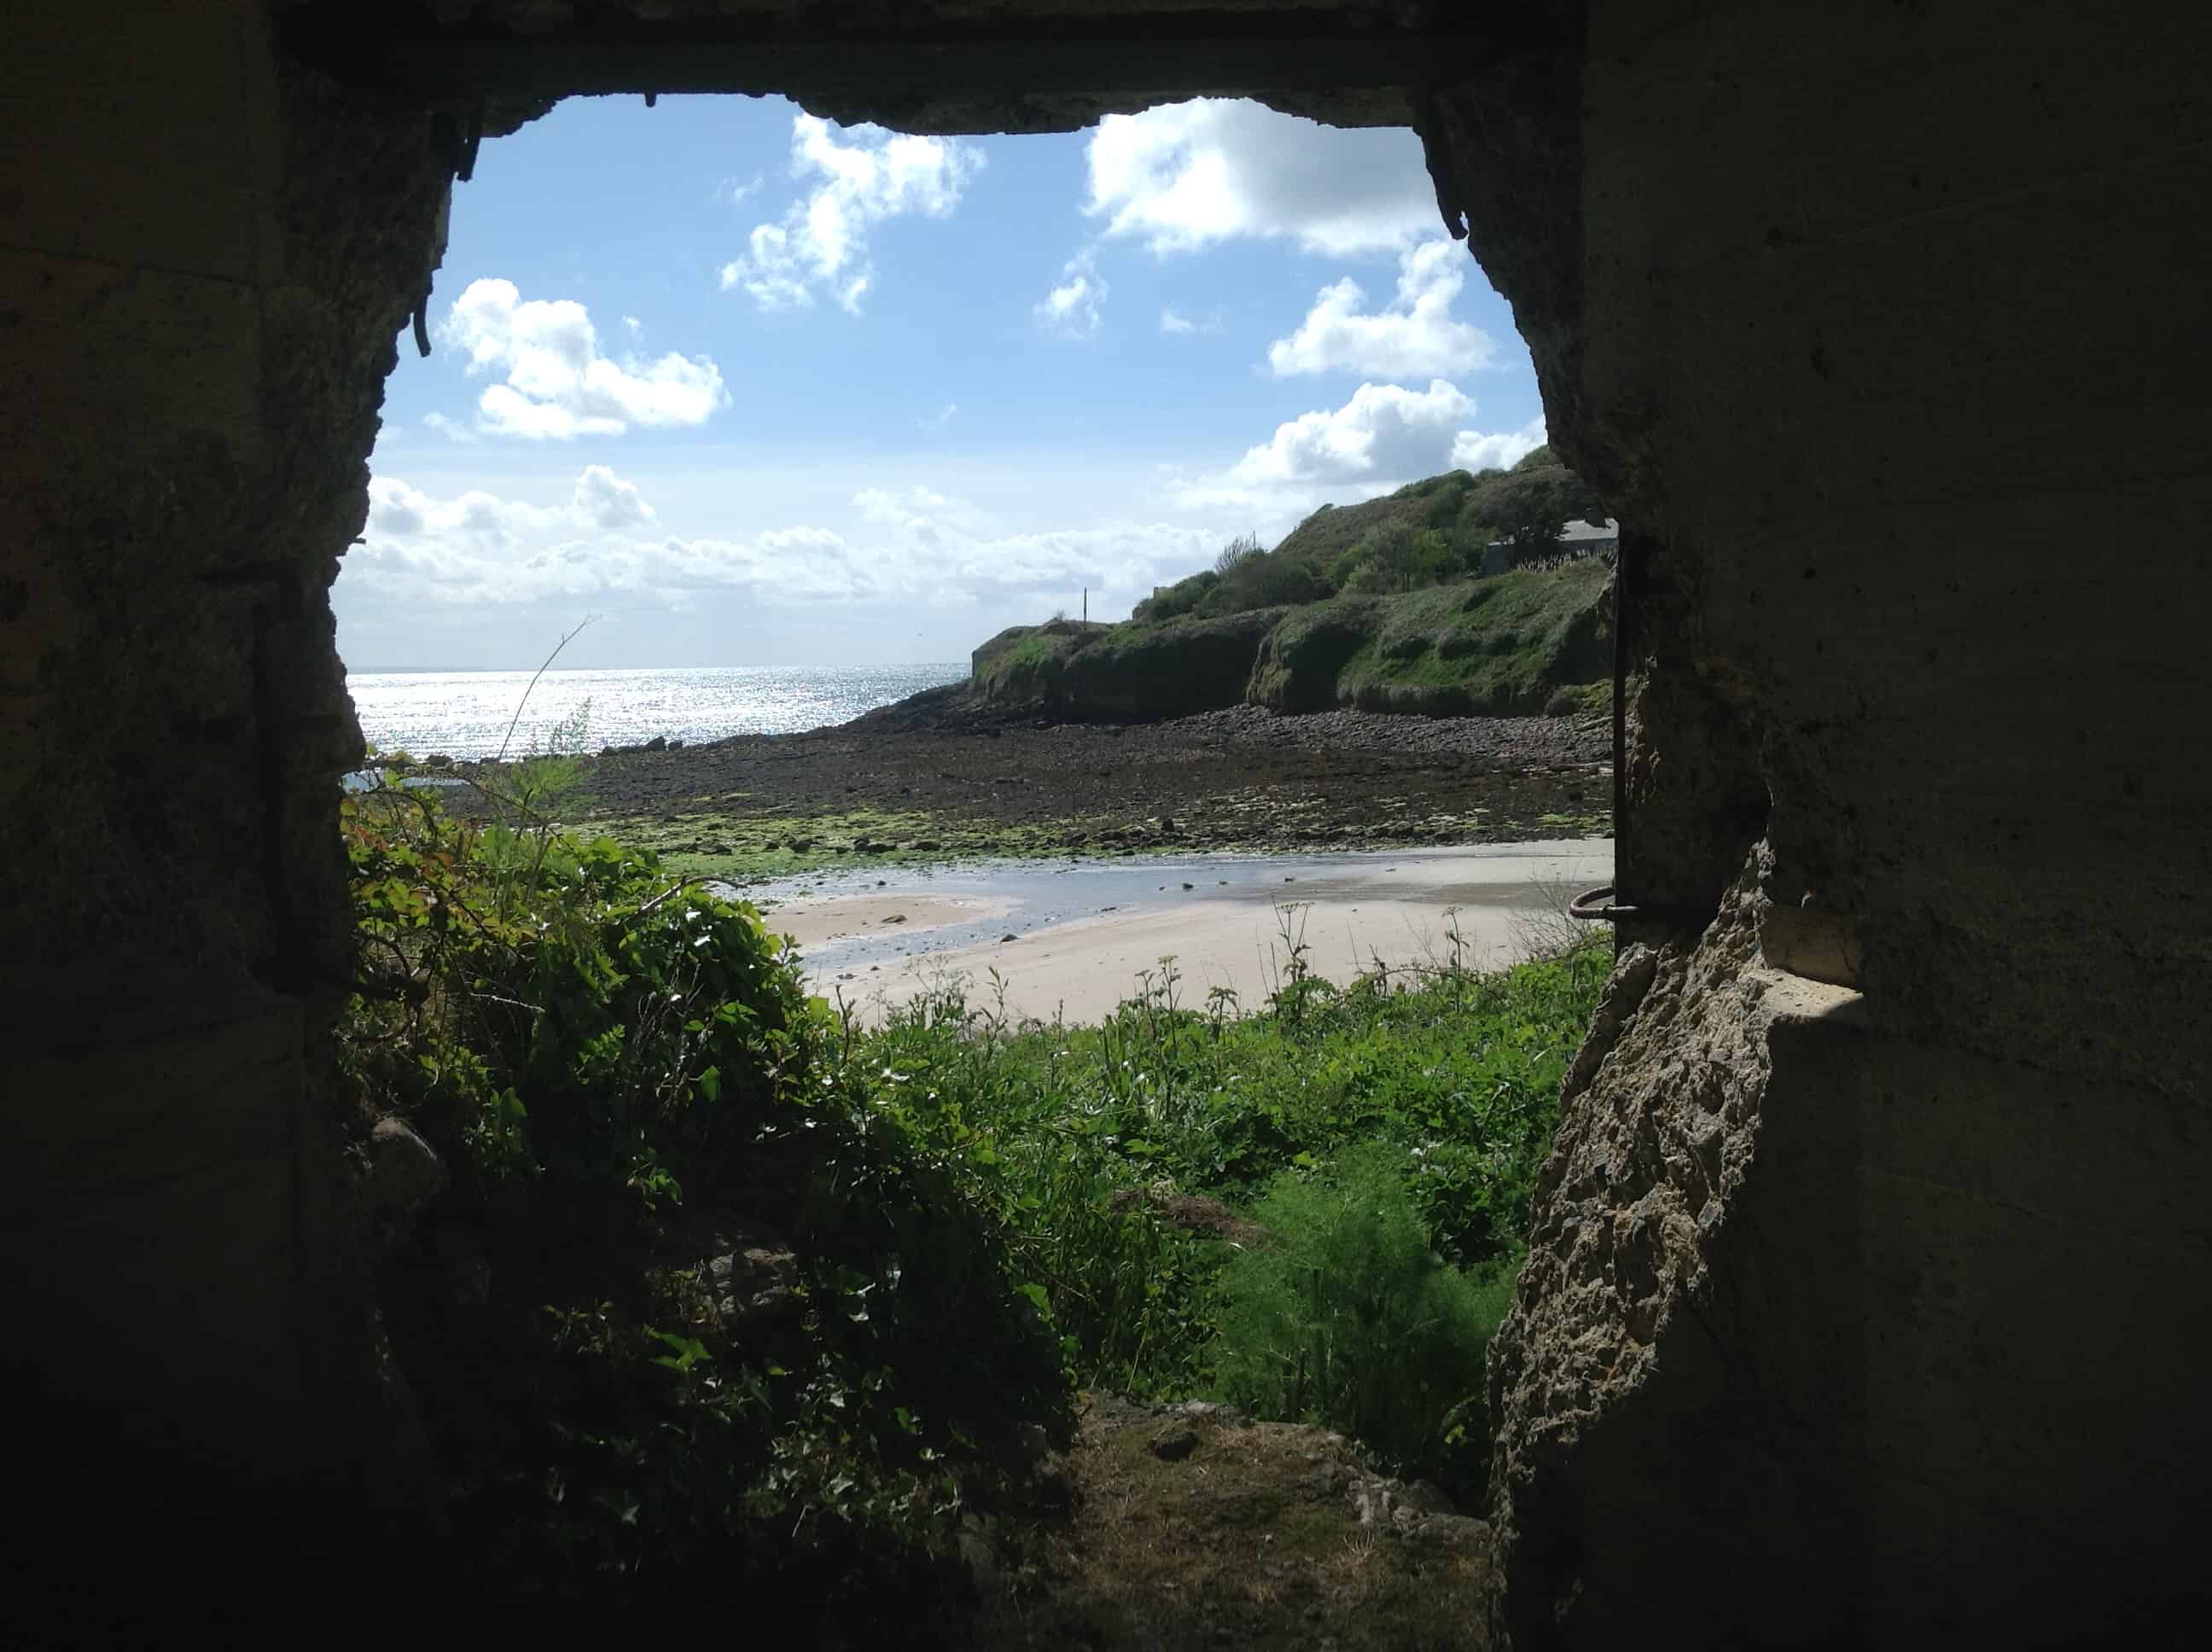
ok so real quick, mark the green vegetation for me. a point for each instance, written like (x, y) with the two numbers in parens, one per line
(729, 1300)
(1352, 1316)
(1383, 605)
(1499, 647)
(1242, 578)
(1502, 646)
(1134, 671)
(1137, 1142)
(1026, 662)
(1434, 531)
(726, 842)
(635, 1104)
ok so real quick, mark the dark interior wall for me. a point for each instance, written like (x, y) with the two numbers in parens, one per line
(204, 258)
(1871, 1276)
(1868, 1290)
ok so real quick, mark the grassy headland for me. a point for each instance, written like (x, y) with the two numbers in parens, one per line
(1406, 604)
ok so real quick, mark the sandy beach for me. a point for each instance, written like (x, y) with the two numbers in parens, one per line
(1072, 938)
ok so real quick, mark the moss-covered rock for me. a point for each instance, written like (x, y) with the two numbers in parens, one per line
(1143, 672)
(1298, 667)
(1504, 646)
(1132, 672)
(1023, 664)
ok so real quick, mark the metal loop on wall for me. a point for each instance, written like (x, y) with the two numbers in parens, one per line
(1596, 906)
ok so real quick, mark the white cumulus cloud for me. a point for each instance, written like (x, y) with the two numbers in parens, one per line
(1073, 309)
(452, 429)
(863, 175)
(1415, 335)
(1384, 436)
(1175, 322)
(1474, 451)
(555, 382)
(916, 546)
(1187, 175)
(1385, 432)
(604, 499)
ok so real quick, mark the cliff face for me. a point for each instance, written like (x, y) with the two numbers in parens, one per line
(1502, 646)
(1128, 673)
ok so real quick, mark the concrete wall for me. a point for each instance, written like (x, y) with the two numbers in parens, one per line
(202, 269)
(1885, 1322)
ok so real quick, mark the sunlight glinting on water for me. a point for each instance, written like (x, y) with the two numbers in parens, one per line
(466, 713)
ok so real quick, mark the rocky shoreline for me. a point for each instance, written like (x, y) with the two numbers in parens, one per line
(942, 775)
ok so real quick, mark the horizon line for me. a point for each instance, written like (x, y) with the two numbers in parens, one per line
(353, 672)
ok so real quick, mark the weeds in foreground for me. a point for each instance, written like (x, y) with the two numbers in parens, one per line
(1131, 1152)
(631, 1095)
(624, 1080)
(1352, 1318)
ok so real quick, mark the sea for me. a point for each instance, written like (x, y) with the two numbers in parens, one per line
(466, 714)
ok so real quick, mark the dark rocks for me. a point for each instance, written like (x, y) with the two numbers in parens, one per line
(1241, 778)
(404, 1172)
(1172, 1445)
(1193, 1213)
(979, 1549)
(753, 1282)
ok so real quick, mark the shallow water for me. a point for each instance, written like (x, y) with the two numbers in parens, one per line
(467, 713)
(1028, 896)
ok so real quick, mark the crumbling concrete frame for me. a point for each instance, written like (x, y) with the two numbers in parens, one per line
(1870, 1277)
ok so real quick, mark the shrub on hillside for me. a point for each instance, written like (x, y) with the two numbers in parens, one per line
(1169, 602)
(1349, 1317)
(1263, 580)
(1574, 699)
(1528, 508)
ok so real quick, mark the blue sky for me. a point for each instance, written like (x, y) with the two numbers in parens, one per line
(745, 387)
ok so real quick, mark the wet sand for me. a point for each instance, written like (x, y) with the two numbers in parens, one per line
(824, 920)
(1072, 939)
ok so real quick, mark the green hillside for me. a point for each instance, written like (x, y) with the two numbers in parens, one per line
(1517, 644)
(1429, 532)
(1380, 605)
(1502, 646)
(1123, 672)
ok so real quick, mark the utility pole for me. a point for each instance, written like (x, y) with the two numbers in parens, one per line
(1087, 604)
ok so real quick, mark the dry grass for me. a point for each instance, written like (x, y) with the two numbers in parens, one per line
(1248, 1542)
